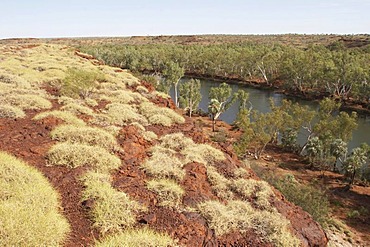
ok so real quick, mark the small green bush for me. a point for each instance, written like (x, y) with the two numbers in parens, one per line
(75, 155)
(8, 111)
(67, 117)
(113, 211)
(169, 192)
(29, 207)
(80, 83)
(84, 135)
(138, 238)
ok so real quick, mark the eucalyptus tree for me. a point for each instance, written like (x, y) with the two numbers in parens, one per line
(355, 161)
(190, 95)
(220, 100)
(173, 73)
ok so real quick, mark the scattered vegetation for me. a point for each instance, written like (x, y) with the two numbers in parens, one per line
(138, 238)
(73, 155)
(27, 101)
(241, 216)
(78, 109)
(29, 207)
(169, 192)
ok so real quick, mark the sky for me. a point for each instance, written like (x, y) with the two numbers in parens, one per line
(95, 18)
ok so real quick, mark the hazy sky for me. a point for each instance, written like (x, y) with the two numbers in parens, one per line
(77, 18)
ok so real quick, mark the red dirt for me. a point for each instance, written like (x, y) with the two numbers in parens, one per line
(29, 140)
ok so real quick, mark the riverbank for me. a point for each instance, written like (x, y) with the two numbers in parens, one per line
(362, 108)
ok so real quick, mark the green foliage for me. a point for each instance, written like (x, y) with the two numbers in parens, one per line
(173, 73)
(29, 207)
(220, 101)
(355, 161)
(80, 83)
(312, 199)
(190, 95)
(138, 238)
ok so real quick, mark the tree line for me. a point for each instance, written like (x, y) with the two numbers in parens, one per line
(325, 70)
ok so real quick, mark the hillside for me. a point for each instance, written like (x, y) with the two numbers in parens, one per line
(128, 166)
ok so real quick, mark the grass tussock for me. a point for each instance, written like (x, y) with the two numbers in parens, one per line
(202, 153)
(67, 117)
(121, 96)
(220, 184)
(27, 101)
(138, 238)
(112, 211)
(8, 111)
(160, 115)
(258, 191)
(84, 135)
(29, 207)
(78, 109)
(169, 192)
(164, 165)
(73, 155)
(241, 216)
(176, 141)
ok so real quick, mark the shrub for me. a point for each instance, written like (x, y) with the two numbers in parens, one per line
(160, 115)
(80, 83)
(77, 109)
(27, 101)
(220, 184)
(84, 135)
(112, 210)
(169, 192)
(312, 199)
(164, 165)
(67, 117)
(8, 111)
(29, 207)
(260, 191)
(241, 216)
(138, 238)
(75, 155)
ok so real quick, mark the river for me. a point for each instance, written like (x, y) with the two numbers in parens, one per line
(260, 101)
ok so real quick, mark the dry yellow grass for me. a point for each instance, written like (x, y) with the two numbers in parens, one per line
(9, 111)
(84, 135)
(67, 117)
(77, 109)
(29, 207)
(113, 211)
(160, 115)
(220, 184)
(75, 155)
(169, 192)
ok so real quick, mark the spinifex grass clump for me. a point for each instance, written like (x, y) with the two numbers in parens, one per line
(9, 111)
(73, 155)
(112, 211)
(84, 135)
(160, 115)
(169, 192)
(29, 207)
(67, 117)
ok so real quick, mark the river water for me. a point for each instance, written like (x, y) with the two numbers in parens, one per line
(260, 101)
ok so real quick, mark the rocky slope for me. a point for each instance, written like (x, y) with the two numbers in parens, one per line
(170, 178)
